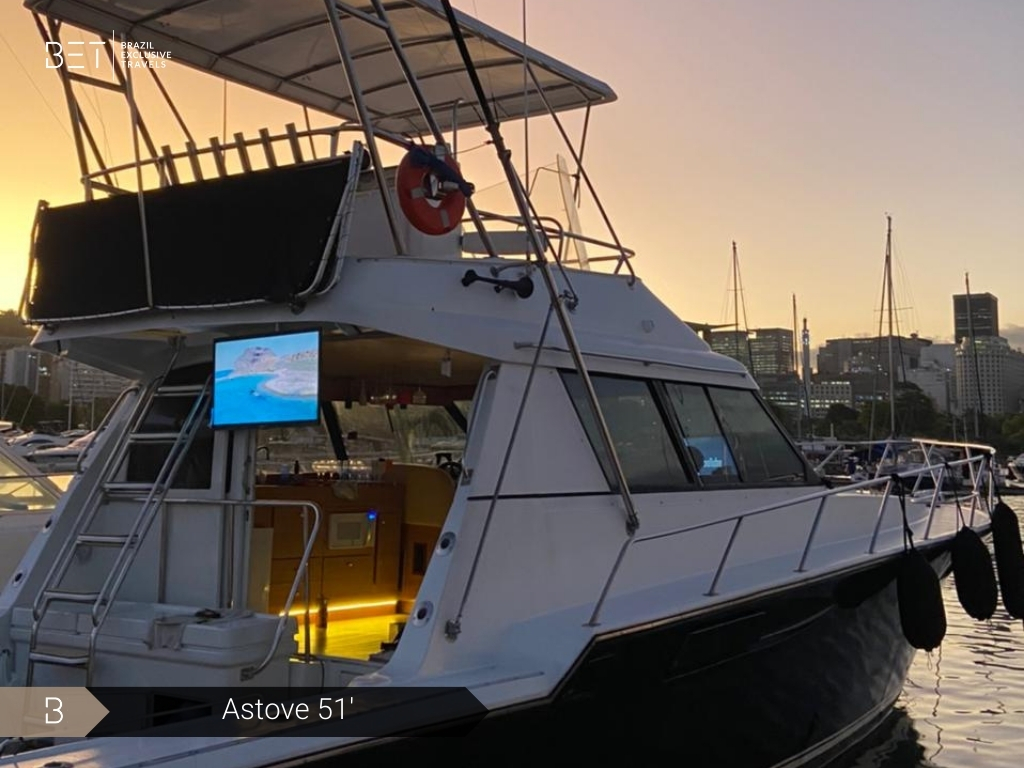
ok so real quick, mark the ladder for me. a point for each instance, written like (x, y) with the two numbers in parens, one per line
(150, 497)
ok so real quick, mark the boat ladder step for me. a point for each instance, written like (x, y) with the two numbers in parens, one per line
(103, 539)
(127, 489)
(64, 596)
(153, 437)
(171, 390)
(144, 501)
(63, 657)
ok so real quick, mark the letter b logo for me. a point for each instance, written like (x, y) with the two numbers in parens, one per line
(55, 51)
(54, 710)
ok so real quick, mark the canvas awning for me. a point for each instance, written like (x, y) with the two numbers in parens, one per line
(287, 48)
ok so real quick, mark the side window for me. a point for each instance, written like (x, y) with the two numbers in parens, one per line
(648, 456)
(702, 435)
(763, 454)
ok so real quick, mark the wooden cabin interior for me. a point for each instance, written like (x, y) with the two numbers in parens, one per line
(382, 465)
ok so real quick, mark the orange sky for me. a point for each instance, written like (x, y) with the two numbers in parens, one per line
(790, 126)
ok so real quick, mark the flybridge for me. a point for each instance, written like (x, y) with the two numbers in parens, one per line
(412, 73)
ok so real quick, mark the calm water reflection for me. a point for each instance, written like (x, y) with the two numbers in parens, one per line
(963, 704)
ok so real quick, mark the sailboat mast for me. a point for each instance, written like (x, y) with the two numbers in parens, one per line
(796, 349)
(736, 298)
(796, 372)
(888, 289)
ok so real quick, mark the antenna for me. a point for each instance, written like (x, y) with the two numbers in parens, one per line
(526, 110)
(805, 345)
(888, 282)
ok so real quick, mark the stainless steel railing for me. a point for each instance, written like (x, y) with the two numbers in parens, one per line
(301, 570)
(982, 487)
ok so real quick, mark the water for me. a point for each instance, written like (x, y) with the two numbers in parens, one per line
(963, 704)
(248, 400)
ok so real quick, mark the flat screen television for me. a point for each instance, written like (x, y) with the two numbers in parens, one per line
(266, 381)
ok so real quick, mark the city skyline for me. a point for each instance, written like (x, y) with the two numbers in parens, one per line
(818, 123)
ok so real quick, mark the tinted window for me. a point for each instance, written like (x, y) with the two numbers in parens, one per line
(648, 456)
(762, 452)
(702, 434)
(145, 460)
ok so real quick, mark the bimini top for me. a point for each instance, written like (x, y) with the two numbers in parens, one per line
(287, 48)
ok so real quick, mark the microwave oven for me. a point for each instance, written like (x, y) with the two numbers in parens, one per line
(351, 530)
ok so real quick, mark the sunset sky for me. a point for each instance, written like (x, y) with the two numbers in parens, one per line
(789, 126)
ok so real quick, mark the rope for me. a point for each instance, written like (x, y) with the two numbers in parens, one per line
(901, 494)
(956, 496)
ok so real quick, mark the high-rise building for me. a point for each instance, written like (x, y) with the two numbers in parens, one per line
(823, 394)
(21, 368)
(82, 383)
(977, 313)
(734, 344)
(764, 351)
(771, 351)
(990, 374)
(870, 355)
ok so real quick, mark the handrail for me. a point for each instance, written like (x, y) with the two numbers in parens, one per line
(146, 515)
(338, 239)
(89, 506)
(862, 485)
(107, 417)
(31, 476)
(561, 233)
(301, 572)
(822, 497)
(220, 150)
(927, 445)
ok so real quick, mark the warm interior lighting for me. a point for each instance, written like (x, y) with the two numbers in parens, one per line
(344, 607)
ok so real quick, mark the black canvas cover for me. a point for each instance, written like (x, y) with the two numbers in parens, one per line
(258, 235)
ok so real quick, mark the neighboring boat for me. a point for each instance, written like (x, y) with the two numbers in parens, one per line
(1016, 465)
(617, 550)
(61, 458)
(27, 500)
(851, 461)
(29, 442)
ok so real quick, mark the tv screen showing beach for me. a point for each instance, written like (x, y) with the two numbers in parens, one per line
(266, 380)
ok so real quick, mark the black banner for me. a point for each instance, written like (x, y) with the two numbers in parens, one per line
(305, 712)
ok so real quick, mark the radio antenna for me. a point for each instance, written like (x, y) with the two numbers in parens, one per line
(526, 110)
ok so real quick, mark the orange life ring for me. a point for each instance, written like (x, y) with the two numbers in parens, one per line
(428, 207)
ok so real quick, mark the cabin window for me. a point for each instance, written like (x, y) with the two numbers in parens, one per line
(649, 458)
(412, 433)
(763, 453)
(19, 492)
(702, 434)
(168, 414)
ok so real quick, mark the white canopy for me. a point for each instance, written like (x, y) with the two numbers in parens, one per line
(287, 48)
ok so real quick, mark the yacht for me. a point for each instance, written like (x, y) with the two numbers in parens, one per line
(28, 498)
(62, 458)
(506, 494)
(29, 442)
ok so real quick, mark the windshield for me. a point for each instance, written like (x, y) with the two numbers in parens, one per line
(20, 492)
(410, 433)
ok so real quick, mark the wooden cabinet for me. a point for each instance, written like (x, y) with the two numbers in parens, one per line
(366, 574)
